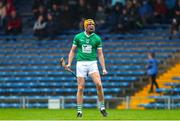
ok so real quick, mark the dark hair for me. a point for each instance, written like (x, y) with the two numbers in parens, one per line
(152, 54)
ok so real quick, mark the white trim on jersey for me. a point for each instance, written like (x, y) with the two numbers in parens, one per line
(87, 34)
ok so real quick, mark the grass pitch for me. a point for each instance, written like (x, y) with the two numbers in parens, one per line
(88, 114)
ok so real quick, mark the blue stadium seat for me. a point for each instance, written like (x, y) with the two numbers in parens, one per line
(176, 78)
(37, 105)
(9, 105)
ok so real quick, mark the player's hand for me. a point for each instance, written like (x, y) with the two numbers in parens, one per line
(68, 67)
(104, 71)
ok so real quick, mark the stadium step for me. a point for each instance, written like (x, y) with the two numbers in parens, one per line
(142, 97)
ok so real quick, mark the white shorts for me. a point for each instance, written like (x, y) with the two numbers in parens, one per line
(85, 68)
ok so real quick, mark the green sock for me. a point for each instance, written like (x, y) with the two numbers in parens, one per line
(102, 107)
(79, 108)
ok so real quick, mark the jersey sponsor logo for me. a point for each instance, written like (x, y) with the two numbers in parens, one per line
(86, 48)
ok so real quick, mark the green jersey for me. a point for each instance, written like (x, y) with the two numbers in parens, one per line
(87, 46)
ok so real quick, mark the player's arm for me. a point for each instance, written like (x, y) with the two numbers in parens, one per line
(102, 61)
(71, 55)
(72, 52)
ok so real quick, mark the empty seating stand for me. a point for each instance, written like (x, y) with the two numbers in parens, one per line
(30, 68)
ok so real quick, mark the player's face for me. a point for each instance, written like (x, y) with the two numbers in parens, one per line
(149, 56)
(90, 28)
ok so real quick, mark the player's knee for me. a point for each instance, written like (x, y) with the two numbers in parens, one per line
(80, 88)
(99, 86)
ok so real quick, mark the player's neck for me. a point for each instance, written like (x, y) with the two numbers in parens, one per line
(88, 33)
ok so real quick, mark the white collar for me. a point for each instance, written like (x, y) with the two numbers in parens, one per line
(87, 34)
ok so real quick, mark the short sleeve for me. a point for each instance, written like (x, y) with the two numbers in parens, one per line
(99, 43)
(75, 40)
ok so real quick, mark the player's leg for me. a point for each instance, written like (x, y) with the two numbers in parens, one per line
(154, 81)
(94, 73)
(81, 72)
(81, 83)
(152, 84)
(97, 80)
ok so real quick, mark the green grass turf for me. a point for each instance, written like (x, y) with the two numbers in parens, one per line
(88, 114)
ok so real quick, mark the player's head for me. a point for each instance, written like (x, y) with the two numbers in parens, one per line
(89, 25)
(151, 55)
